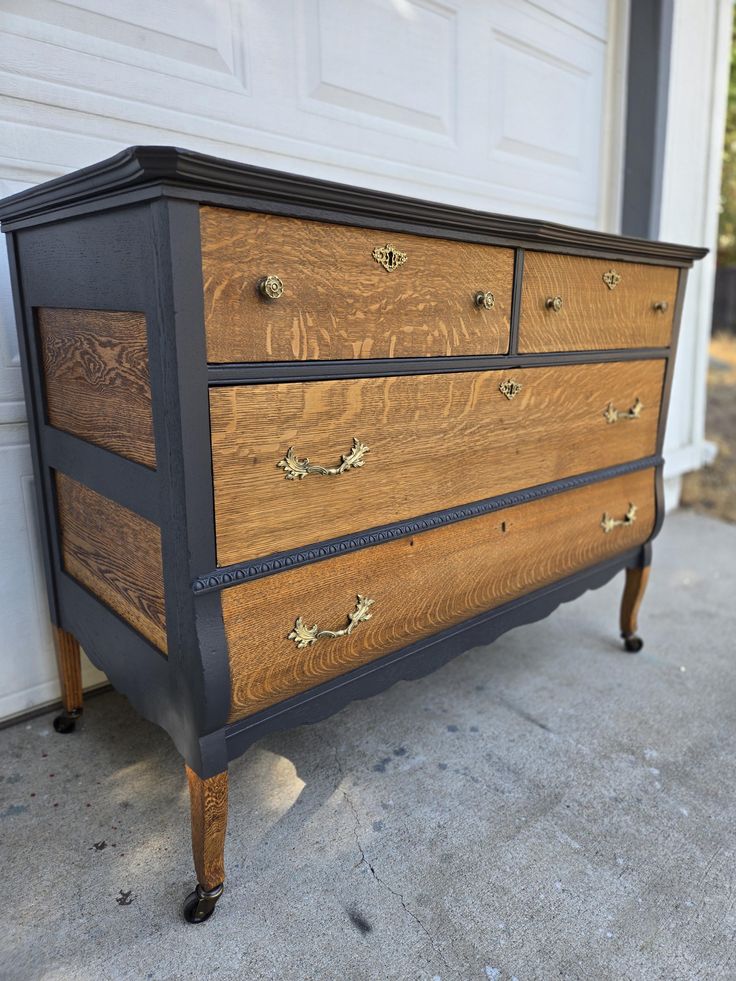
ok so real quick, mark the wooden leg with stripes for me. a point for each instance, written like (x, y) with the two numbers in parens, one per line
(68, 660)
(208, 799)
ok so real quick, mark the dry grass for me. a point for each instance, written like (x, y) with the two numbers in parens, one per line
(712, 490)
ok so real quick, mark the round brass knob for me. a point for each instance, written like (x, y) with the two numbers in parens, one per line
(271, 287)
(554, 303)
(485, 300)
(660, 306)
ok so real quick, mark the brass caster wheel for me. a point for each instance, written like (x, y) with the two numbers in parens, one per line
(67, 721)
(200, 904)
(632, 643)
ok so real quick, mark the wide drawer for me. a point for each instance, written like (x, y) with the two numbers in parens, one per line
(434, 442)
(278, 629)
(338, 299)
(571, 303)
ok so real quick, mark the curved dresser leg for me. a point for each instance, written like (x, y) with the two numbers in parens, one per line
(69, 663)
(208, 799)
(636, 584)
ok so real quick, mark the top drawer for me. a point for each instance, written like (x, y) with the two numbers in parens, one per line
(339, 300)
(574, 304)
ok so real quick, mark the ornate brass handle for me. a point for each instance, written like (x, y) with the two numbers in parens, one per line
(297, 469)
(303, 636)
(485, 300)
(612, 414)
(660, 306)
(553, 303)
(608, 523)
(270, 287)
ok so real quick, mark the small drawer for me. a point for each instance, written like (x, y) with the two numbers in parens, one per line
(301, 462)
(286, 289)
(574, 304)
(292, 631)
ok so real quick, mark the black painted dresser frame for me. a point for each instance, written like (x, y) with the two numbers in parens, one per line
(124, 235)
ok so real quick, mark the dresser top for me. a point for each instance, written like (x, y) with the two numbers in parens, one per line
(144, 172)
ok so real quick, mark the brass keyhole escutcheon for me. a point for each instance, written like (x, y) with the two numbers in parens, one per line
(389, 256)
(509, 388)
(485, 300)
(611, 278)
(553, 303)
(270, 287)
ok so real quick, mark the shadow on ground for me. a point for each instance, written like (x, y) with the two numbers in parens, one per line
(545, 807)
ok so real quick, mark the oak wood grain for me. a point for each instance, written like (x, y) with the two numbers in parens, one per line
(208, 800)
(636, 584)
(338, 302)
(436, 441)
(69, 664)
(420, 586)
(115, 553)
(592, 315)
(95, 365)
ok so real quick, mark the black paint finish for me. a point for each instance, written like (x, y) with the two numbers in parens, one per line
(124, 235)
(234, 575)
(153, 171)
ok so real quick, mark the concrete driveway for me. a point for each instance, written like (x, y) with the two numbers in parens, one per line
(548, 807)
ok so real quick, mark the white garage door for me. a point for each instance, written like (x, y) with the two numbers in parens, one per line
(507, 105)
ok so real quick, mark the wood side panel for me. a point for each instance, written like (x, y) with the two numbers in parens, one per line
(420, 585)
(594, 317)
(115, 554)
(338, 302)
(436, 441)
(95, 365)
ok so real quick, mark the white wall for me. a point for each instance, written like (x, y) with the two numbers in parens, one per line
(508, 105)
(701, 49)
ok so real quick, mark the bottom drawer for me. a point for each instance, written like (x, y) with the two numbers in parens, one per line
(419, 585)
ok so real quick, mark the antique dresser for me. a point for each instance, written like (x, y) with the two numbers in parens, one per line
(295, 441)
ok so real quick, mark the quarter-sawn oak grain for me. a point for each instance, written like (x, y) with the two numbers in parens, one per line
(95, 365)
(594, 317)
(436, 441)
(421, 585)
(208, 800)
(116, 554)
(69, 664)
(338, 302)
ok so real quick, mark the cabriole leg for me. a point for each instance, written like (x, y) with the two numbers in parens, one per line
(636, 583)
(68, 660)
(209, 822)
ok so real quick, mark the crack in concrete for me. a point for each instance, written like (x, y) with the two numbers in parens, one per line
(364, 861)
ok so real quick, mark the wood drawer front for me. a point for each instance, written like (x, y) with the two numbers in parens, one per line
(338, 301)
(446, 575)
(592, 316)
(435, 441)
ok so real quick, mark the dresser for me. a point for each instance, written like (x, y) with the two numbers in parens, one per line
(295, 441)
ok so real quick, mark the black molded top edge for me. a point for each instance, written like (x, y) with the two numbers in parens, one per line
(140, 166)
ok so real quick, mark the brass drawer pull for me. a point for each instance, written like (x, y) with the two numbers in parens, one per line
(297, 469)
(553, 303)
(611, 279)
(612, 414)
(660, 306)
(608, 523)
(303, 636)
(485, 300)
(270, 287)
